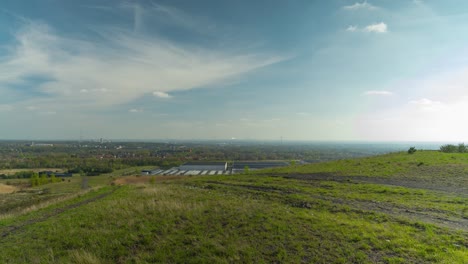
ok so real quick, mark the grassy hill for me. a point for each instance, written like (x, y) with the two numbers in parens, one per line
(395, 208)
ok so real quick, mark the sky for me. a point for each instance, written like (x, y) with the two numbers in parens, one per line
(266, 69)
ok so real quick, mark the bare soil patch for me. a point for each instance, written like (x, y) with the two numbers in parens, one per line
(7, 189)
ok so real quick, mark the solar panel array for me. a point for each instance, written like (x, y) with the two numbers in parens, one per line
(176, 171)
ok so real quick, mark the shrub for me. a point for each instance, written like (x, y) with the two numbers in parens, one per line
(411, 150)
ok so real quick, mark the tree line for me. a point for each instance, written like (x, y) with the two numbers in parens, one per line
(450, 148)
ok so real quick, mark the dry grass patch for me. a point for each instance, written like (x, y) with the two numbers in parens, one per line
(13, 171)
(145, 179)
(7, 188)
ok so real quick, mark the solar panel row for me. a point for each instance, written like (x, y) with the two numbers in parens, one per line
(175, 171)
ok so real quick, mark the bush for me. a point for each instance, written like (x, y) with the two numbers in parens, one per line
(411, 150)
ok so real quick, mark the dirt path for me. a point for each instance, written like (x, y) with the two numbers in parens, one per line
(437, 217)
(15, 228)
(435, 184)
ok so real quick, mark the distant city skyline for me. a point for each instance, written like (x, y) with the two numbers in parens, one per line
(263, 70)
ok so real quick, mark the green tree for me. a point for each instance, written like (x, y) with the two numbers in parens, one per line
(43, 179)
(449, 148)
(246, 170)
(53, 178)
(34, 179)
(462, 148)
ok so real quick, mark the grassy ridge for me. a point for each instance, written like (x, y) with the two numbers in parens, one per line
(384, 165)
(254, 218)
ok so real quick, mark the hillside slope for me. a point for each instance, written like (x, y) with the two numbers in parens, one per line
(319, 213)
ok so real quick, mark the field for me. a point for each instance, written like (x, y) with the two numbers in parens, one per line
(395, 208)
(13, 171)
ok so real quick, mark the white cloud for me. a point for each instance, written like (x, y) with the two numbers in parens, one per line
(352, 28)
(134, 110)
(373, 28)
(377, 28)
(357, 6)
(427, 105)
(32, 108)
(439, 115)
(378, 93)
(124, 66)
(161, 94)
(6, 108)
(424, 101)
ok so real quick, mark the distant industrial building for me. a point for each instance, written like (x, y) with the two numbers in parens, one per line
(204, 166)
(41, 144)
(239, 166)
(192, 169)
(215, 168)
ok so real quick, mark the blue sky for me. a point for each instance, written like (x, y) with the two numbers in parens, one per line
(301, 70)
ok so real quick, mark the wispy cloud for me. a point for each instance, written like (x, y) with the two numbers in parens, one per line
(119, 68)
(161, 94)
(352, 29)
(182, 19)
(358, 6)
(424, 101)
(373, 28)
(135, 110)
(377, 28)
(427, 105)
(377, 93)
(32, 108)
(6, 108)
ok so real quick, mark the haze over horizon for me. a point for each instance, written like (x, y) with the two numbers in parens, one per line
(322, 70)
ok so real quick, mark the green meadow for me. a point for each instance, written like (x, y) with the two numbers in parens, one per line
(393, 208)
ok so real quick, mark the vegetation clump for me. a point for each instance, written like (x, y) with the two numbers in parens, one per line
(37, 180)
(450, 148)
(412, 150)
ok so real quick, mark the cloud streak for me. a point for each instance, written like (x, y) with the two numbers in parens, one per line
(358, 6)
(372, 28)
(122, 67)
(161, 94)
(377, 93)
(377, 28)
